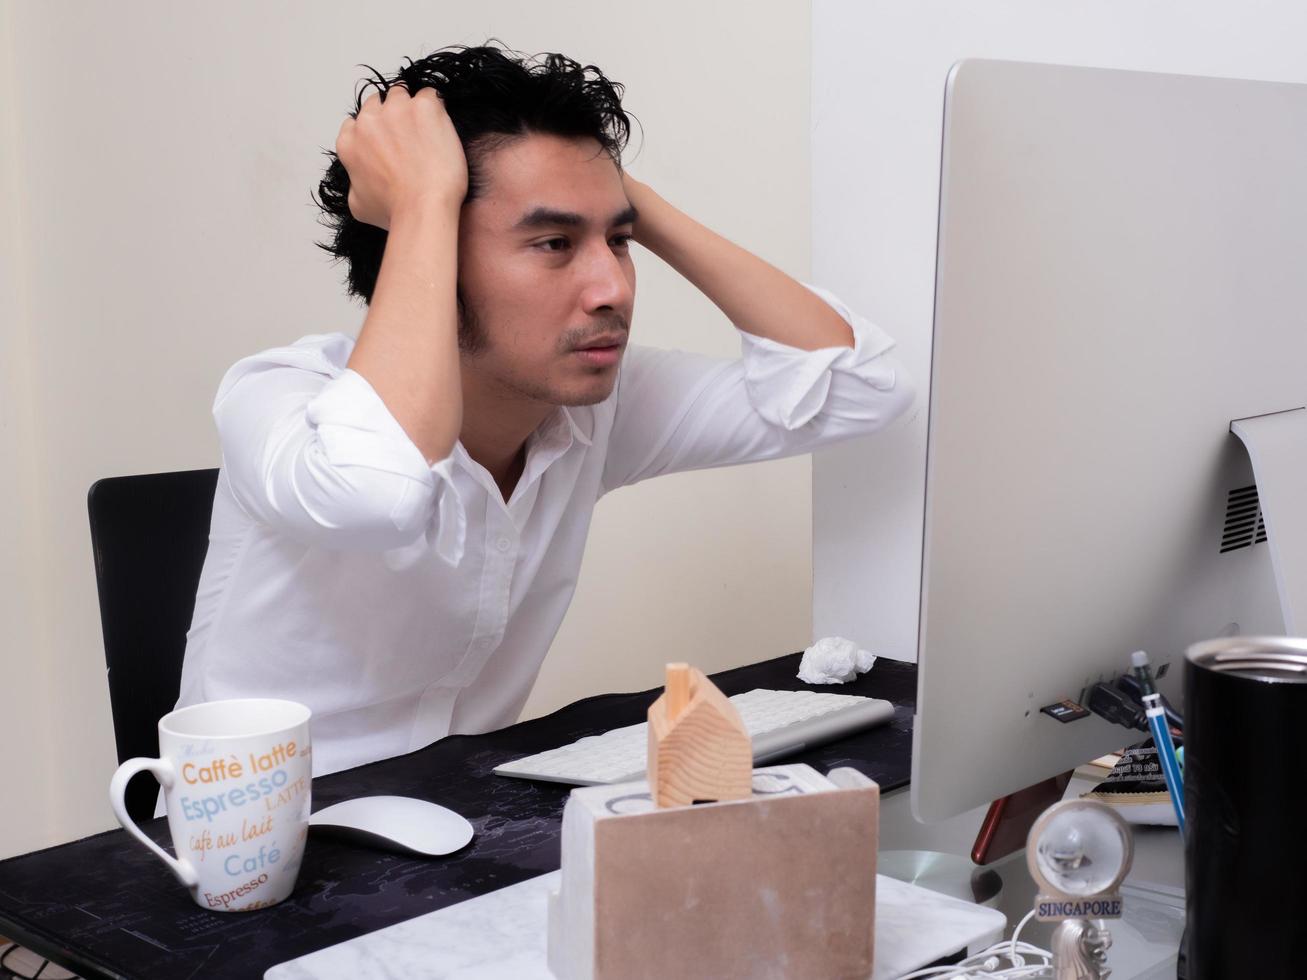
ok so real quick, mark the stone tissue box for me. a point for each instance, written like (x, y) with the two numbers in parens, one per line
(781, 884)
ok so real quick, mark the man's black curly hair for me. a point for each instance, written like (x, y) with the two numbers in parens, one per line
(493, 95)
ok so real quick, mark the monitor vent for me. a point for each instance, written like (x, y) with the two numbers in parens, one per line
(1244, 525)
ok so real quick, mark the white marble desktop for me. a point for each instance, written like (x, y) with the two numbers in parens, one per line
(502, 934)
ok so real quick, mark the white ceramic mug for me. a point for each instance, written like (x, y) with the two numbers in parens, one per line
(236, 779)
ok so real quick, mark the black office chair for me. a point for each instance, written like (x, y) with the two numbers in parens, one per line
(150, 534)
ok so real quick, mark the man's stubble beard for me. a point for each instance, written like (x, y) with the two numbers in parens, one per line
(473, 341)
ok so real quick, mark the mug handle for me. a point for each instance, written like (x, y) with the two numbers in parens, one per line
(164, 772)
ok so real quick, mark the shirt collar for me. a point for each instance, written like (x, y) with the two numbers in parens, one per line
(549, 442)
(577, 433)
(555, 435)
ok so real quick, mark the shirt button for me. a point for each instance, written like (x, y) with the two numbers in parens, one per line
(503, 544)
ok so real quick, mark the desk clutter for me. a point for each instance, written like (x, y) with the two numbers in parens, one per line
(662, 877)
(707, 869)
(106, 906)
(681, 891)
(501, 936)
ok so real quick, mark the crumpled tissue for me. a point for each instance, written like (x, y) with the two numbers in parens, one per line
(833, 660)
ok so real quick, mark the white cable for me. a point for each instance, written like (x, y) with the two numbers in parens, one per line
(962, 971)
(982, 965)
(969, 970)
(1017, 932)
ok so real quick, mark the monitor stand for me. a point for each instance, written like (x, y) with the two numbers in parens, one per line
(1277, 446)
(1003, 831)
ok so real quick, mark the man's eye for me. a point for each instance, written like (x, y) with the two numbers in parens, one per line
(620, 241)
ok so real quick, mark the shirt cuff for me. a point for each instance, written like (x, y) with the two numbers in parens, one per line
(788, 386)
(355, 428)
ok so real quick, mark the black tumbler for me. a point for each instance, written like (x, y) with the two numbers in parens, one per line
(1245, 759)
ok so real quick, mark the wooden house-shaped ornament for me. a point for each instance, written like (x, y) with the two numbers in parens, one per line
(699, 749)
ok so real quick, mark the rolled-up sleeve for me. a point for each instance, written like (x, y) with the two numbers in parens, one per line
(680, 411)
(789, 387)
(311, 450)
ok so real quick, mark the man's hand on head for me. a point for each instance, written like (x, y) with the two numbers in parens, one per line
(399, 150)
(755, 296)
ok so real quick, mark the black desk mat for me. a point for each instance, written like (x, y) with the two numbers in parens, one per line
(104, 906)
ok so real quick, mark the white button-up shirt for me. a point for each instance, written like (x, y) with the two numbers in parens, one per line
(404, 601)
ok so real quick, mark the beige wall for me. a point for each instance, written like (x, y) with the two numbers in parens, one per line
(156, 166)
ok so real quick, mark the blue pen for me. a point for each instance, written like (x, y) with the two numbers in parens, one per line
(1161, 733)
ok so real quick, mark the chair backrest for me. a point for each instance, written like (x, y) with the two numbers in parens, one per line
(150, 534)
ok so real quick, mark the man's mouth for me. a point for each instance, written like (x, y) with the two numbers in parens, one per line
(602, 351)
(606, 342)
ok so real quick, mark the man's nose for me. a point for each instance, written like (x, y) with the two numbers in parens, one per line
(606, 280)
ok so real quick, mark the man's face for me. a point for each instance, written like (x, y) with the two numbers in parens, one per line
(544, 270)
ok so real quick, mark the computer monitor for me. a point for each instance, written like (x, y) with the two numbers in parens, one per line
(1121, 273)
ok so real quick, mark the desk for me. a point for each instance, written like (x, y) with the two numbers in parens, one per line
(503, 936)
(105, 907)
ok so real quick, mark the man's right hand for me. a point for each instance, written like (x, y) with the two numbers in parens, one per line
(398, 152)
(408, 175)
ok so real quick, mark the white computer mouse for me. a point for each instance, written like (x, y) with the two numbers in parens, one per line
(395, 823)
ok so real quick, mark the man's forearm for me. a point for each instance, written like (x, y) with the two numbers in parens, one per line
(408, 347)
(755, 296)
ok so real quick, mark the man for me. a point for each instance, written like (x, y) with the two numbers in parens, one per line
(399, 521)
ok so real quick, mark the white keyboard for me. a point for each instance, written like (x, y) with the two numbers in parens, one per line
(779, 723)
